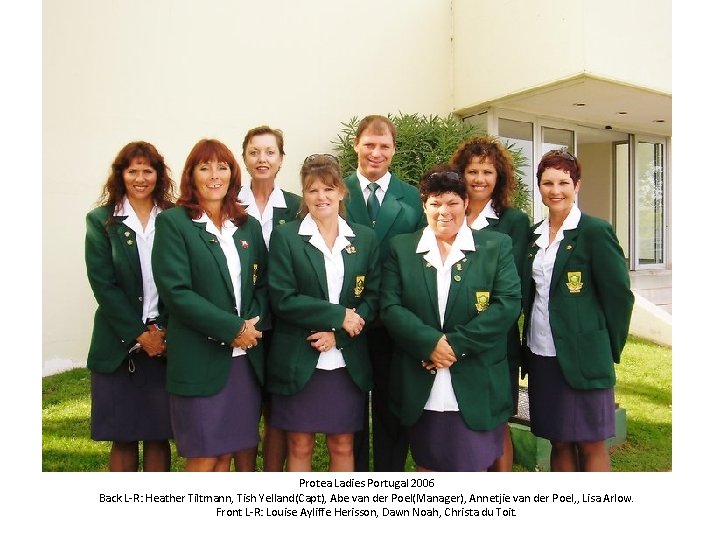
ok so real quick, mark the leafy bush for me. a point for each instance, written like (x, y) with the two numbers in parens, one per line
(424, 141)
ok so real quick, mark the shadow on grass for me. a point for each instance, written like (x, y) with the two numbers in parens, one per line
(653, 394)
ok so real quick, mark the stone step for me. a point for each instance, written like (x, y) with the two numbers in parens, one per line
(656, 296)
(651, 279)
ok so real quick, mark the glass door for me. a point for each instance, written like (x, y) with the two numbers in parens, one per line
(518, 136)
(649, 199)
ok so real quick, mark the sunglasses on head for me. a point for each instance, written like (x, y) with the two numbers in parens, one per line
(560, 153)
(313, 157)
(452, 175)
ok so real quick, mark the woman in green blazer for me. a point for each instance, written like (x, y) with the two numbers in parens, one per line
(489, 174)
(210, 265)
(324, 285)
(263, 153)
(450, 294)
(129, 401)
(577, 303)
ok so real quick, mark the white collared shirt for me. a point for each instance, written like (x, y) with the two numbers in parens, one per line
(276, 200)
(481, 221)
(232, 257)
(540, 339)
(383, 183)
(144, 241)
(334, 275)
(442, 396)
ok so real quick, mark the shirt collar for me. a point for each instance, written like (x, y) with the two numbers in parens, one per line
(227, 226)
(127, 209)
(309, 228)
(570, 223)
(464, 240)
(482, 220)
(383, 181)
(276, 200)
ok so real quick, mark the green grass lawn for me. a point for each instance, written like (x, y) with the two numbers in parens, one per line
(644, 389)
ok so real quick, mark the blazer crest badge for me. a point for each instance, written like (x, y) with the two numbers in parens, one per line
(482, 300)
(574, 282)
(359, 286)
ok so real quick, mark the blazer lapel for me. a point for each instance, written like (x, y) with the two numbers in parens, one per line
(355, 202)
(242, 244)
(350, 264)
(213, 245)
(459, 270)
(430, 275)
(565, 249)
(390, 209)
(317, 262)
(281, 216)
(127, 239)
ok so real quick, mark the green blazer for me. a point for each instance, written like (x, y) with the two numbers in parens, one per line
(400, 212)
(516, 224)
(590, 319)
(299, 297)
(115, 276)
(477, 335)
(285, 215)
(191, 273)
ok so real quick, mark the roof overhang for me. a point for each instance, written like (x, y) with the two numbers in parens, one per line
(592, 101)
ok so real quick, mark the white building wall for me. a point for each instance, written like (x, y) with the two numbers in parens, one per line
(503, 47)
(172, 72)
(629, 41)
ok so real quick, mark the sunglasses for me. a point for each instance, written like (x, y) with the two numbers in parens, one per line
(451, 175)
(313, 157)
(560, 153)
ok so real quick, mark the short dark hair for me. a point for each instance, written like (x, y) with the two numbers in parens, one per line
(562, 160)
(442, 179)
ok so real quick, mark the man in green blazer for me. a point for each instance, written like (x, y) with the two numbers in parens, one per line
(380, 200)
(483, 301)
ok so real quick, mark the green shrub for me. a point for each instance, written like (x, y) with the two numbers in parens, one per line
(424, 141)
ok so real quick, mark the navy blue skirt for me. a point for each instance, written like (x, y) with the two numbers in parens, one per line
(131, 406)
(330, 402)
(561, 413)
(441, 441)
(226, 422)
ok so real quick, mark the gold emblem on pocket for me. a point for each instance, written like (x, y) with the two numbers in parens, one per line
(574, 282)
(482, 300)
(359, 286)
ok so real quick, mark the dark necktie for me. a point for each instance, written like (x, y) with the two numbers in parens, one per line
(373, 204)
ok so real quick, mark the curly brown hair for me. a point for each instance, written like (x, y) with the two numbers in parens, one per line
(113, 192)
(204, 151)
(488, 147)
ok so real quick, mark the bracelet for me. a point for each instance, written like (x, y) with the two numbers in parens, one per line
(242, 330)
